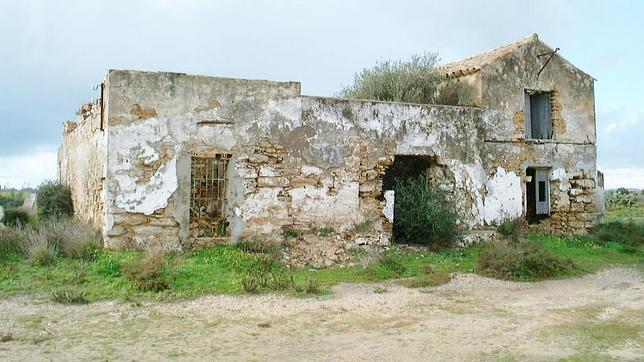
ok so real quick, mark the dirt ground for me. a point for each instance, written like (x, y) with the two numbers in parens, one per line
(599, 316)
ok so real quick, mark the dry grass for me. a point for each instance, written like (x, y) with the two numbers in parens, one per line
(38, 249)
(74, 239)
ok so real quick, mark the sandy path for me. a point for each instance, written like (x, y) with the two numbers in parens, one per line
(471, 318)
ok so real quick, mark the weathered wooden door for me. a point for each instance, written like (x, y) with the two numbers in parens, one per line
(542, 191)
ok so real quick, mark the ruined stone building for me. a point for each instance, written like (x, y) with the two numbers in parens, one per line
(177, 160)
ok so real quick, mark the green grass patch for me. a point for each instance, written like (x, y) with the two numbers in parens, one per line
(227, 269)
(589, 256)
(601, 334)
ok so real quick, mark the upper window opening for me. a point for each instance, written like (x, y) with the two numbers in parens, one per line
(538, 115)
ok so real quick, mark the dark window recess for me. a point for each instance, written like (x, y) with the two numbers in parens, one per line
(538, 115)
(542, 191)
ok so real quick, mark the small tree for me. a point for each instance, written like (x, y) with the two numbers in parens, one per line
(416, 80)
(424, 213)
(54, 200)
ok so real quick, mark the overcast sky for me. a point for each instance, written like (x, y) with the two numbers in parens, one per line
(53, 52)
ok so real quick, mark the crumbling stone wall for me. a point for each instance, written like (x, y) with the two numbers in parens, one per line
(307, 163)
(296, 162)
(81, 163)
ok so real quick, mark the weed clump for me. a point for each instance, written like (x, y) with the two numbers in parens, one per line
(290, 233)
(255, 246)
(69, 296)
(511, 229)
(525, 261)
(431, 279)
(309, 286)
(147, 272)
(364, 226)
(325, 231)
(425, 214)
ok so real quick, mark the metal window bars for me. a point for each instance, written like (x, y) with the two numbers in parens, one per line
(208, 196)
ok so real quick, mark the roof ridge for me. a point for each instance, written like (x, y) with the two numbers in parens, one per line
(474, 63)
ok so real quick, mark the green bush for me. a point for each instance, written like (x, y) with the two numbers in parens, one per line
(525, 261)
(16, 217)
(425, 214)
(416, 80)
(629, 233)
(54, 200)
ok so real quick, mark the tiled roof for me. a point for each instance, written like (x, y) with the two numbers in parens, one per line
(474, 64)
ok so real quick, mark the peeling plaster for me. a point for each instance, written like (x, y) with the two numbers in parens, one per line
(388, 211)
(504, 197)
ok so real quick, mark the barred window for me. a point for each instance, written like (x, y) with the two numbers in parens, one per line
(208, 195)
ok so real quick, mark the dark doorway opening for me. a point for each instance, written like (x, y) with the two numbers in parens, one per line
(537, 194)
(405, 167)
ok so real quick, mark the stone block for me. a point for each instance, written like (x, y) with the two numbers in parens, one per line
(272, 182)
(117, 231)
(269, 171)
(164, 222)
(247, 172)
(130, 219)
(575, 192)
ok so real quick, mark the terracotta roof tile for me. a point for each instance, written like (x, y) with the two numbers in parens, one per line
(474, 63)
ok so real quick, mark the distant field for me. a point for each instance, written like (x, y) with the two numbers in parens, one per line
(634, 214)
